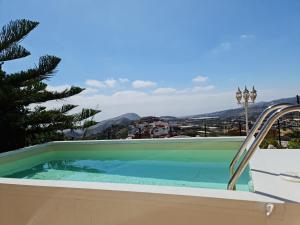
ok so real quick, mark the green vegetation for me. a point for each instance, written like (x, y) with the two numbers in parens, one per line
(114, 132)
(22, 124)
(294, 140)
(270, 141)
(294, 143)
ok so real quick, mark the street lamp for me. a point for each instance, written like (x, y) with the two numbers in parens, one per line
(246, 95)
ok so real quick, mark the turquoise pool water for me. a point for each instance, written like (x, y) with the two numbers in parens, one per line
(170, 165)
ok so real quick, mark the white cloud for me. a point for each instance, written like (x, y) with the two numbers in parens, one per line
(90, 90)
(247, 36)
(164, 91)
(58, 88)
(143, 84)
(110, 83)
(123, 80)
(185, 102)
(226, 46)
(200, 79)
(95, 83)
(128, 94)
(150, 104)
(185, 91)
(203, 88)
(222, 47)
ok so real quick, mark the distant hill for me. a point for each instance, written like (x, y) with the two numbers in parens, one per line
(128, 118)
(168, 118)
(254, 110)
(124, 120)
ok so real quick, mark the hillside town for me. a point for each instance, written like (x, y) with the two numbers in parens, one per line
(151, 127)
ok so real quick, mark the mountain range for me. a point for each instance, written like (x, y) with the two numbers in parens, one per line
(254, 110)
(124, 120)
(101, 126)
(128, 118)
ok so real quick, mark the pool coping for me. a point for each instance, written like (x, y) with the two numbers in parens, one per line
(267, 167)
(140, 188)
(170, 190)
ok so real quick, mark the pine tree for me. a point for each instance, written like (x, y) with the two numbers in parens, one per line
(22, 124)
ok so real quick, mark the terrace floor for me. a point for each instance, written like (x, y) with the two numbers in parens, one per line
(268, 168)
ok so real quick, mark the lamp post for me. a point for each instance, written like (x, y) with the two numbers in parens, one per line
(246, 95)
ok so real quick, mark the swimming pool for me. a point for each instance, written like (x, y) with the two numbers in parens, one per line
(196, 163)
(146, 182)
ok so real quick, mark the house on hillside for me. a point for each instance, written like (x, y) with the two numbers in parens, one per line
(149, 127)
(160, 129)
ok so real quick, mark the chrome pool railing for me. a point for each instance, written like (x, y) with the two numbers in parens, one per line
(259, 138)
(253, 131)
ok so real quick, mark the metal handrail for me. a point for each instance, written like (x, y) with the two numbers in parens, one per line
(253, 131)
(259, 138)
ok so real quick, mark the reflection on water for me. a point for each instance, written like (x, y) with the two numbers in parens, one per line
(160, 172)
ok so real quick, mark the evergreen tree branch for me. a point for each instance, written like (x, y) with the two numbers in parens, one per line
(47, 65)
(46, 118)
(30, 96)
(67, 108)
(15, 31)
(38, 109)
(50, 128)
(13, 52)
(88, 123)
(85, 114)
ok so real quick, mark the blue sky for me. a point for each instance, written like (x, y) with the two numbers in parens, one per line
(164, 57)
